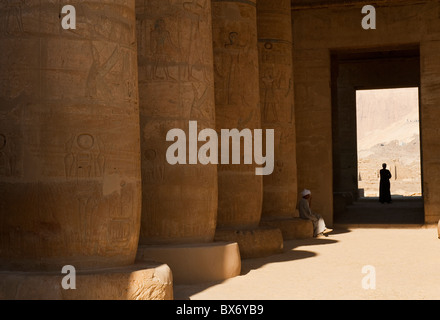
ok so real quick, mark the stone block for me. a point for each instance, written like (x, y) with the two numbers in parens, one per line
(291, 228)
(196, 263)
(253, 243)
(146, 281)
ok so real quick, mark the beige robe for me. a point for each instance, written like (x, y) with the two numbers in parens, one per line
(306, 213)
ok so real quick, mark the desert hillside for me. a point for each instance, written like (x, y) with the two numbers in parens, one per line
(388, 132)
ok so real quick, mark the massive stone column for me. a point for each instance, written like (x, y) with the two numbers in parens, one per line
(176, 86)
(238, 107)
(277, 112)
(69, 150)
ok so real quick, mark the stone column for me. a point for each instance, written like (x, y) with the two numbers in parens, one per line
(277, 112)
(238, 107)
(176, 86)
(69, 151)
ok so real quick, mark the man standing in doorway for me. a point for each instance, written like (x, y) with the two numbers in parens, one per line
(384, 186)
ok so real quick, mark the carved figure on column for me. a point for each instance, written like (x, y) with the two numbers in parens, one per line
(12, 19)
(195, 10)
(7, 158)
(160, 41)
(84, 158)
(235, 48)
(96, 84)
(269, 99)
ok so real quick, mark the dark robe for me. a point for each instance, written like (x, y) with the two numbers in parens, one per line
(384, 187)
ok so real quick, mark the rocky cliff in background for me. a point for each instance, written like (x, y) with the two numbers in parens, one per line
(388, 132)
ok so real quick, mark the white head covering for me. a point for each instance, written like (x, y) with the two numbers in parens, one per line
(306, 192)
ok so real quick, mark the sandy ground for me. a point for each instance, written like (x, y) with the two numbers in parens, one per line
(406, 265)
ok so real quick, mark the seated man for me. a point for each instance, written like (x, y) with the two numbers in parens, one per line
(305, 212)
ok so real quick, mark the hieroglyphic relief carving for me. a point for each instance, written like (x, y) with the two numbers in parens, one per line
(111, 73)
(7, 157)
(234, 48)
(160, 44)
(195, 52)
(173, 49)
(128, 74)
(274, 53)
(96, 82)
(201, 107)
(290, 88)
(276, 94)
(16, 84)
(119, 232)
(121, 208)
(173, 43)
(176, 84)
(84, 157)
(12, 18)
(105, 24)
(232, 62)
(62, 96)
(237, 106)
(154, 167)
(89, 199)
(153, 157)
(276, 83)
(115, 227)
(270, 103)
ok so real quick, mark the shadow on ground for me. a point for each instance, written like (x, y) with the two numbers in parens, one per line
(290, 253)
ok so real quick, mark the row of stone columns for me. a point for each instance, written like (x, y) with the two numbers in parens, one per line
(70, 154)
(83, 125)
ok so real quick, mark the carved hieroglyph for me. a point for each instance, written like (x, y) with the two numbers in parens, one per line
(69, 133)
(237, 106)
(276, 94)
(176, 85)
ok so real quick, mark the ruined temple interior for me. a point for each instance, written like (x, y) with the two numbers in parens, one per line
(86, 113)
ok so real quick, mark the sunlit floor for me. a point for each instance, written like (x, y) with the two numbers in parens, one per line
(405, 263)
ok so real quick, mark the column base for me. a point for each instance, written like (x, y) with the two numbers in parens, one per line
(254, 243)
(438, 229)
(291, 228)
(146, 281)
(196, 263)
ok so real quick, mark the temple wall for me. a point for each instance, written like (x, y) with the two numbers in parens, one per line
(318, 31)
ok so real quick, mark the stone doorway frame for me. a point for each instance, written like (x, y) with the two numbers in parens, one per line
(361, 69)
